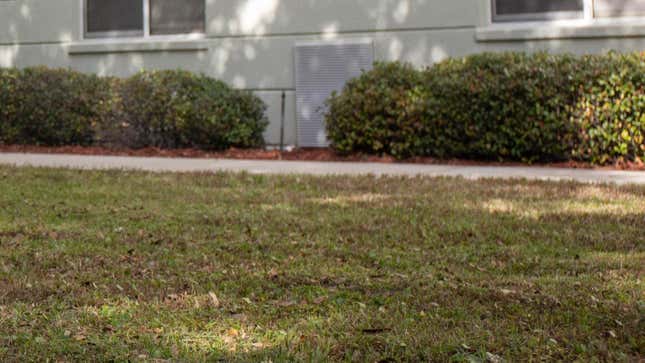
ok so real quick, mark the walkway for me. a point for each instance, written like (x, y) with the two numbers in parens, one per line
(319, 168)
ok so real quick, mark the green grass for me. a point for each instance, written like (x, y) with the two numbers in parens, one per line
(101, 266)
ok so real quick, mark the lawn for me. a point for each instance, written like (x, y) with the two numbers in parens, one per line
(115, 266)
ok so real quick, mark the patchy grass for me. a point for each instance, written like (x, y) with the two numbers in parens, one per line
(99, 266)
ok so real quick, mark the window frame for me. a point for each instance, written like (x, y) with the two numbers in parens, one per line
(135, 34)
(553, 15)
(589, 27)
(587, 14)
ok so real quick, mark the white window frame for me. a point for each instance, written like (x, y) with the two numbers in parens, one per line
(587, 11)
(134, 34)
(588, 26)
(562, 17)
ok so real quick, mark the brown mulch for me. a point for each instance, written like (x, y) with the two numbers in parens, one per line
(295, 155)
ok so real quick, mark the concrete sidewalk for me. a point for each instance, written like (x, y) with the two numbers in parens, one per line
(318, 168)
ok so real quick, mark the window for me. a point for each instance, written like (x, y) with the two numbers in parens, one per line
(616, 8)
(143, 18)
(106, 18)
(519, 10)
(511, 10)
(176, 17)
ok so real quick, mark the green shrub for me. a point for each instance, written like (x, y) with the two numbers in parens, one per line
(610, 114)
(50, 107)
(507, 106)
(380, 112)
(176, 109)
(8, 105)
(167, 109)
(504, 106)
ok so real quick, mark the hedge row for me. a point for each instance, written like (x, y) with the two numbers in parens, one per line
(504, 106)
(166, 109)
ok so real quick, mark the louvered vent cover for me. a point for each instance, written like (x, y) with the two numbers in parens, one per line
(322, 68)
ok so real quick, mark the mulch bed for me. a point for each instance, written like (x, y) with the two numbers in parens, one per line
(294, 155)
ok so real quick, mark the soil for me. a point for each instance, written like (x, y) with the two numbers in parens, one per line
(294, 155)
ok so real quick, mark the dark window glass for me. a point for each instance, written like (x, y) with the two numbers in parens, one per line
(107, 16)
(522, 7)
(176, 16)
(616, 8)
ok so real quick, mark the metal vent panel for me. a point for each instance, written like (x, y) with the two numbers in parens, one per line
(322, 68)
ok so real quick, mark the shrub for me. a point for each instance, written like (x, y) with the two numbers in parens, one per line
(8, 105)
(50, 107)
(379, 112)
(505, 106)
(167, 109)
(175, 109)
(610, 114)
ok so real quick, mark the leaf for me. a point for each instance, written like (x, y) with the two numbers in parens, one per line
(320, 300)
(273, 274)
(286, 303)
(493, 358)
(214, 300)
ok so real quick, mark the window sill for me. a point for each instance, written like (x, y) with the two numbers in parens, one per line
(560, 30)
(136, 45)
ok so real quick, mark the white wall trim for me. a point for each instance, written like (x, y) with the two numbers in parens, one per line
(562, 29)
(339, 41)
(135, 45)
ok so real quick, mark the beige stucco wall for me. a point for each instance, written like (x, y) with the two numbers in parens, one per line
(249, 43)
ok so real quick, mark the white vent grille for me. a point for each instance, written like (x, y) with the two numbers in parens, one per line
(322, 68)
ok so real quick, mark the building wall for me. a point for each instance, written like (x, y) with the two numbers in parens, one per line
(249, 43)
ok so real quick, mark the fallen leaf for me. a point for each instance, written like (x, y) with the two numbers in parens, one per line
(273, 274)
(214, 300)
(493, 358)
(286, 303)
(232, 332)
(320, 300)
(240, 317)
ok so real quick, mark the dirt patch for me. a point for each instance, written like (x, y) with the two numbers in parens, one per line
(305, 154)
